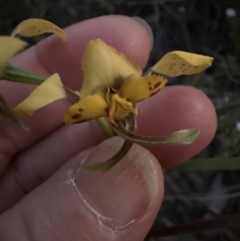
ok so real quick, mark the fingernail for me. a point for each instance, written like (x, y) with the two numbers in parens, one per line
(122, 195)
(146, 26)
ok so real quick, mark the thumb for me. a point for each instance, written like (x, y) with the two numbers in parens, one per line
(74, 204)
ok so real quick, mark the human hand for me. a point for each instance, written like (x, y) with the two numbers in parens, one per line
(45, 195)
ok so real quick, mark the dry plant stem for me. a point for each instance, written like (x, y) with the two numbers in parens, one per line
(228, 221)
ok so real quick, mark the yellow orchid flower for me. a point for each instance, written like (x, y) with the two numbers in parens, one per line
(113, 84)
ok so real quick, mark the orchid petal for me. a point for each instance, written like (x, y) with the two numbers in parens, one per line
(104, 66)
(34, 26)
(88, 108)
(9, 46)
(142, 87)
(49, 91)
(182, 63)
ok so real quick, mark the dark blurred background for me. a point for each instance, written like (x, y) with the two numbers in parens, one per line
(210, 27)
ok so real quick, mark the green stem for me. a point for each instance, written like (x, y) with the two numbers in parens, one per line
(105, 126)
(15, 74)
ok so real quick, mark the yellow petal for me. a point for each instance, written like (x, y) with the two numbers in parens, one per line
(142, 87)
(9, 46)
(34, 26)
(182, 63)
(50, 90)
(90, 107)
(103, 64)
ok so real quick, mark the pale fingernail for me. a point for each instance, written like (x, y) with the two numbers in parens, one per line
(122, 195)
(147, 27)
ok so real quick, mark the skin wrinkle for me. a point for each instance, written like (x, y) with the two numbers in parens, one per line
(12, 147)
(16, 176)
(27, 228)
(31, 176)
(64, 226)
(50, 222)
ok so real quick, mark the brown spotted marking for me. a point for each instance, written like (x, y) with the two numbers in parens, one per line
(157, 85)
(76, 116)
(106, 110)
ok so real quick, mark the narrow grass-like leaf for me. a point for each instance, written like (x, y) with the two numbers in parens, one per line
(7, 111)
(107, 165)
(210, 164)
